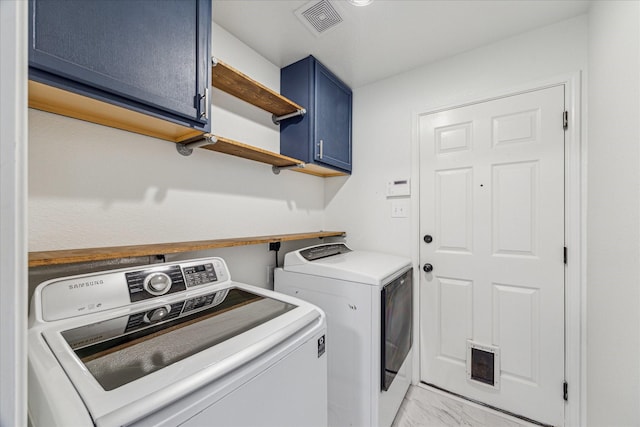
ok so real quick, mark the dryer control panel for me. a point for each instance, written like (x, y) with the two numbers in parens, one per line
(324, 251)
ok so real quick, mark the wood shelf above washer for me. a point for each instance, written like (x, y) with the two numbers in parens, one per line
(69, 104)
(250, 152)
(70, 256)
(232, 81)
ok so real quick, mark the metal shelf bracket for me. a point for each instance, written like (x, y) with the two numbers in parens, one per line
(277, 119)
(187, 149)
(276, 169)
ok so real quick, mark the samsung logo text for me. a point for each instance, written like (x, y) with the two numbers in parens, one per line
(85, 284)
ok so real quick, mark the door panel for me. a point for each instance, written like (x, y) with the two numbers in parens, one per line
(456, 322)
(492, 197)
(454, 217)
(517, 330)
(514, 208)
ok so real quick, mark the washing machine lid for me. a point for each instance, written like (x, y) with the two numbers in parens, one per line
(337, 261)
(123, 349)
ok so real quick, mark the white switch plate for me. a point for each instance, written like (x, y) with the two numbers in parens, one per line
(399, 209)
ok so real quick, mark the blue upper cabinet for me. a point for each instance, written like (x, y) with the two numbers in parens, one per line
(323, 135)
(149, 56)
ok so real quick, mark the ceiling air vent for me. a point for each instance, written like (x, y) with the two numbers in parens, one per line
(319, 16)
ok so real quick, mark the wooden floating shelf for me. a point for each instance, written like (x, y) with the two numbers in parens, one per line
(250, 152)
(69, 104)
(232, 81)
(320, 171)
(70, 256)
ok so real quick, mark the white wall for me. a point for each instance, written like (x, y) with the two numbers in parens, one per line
(613, 215)
(13, 227)
(234, 118)
(90, 185)
(383, 112)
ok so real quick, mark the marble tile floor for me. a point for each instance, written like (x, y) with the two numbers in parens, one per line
(424, 406)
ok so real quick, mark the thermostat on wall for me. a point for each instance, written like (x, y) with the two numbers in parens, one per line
(399, 188)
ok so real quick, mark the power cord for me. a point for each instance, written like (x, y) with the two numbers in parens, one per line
(275, 246)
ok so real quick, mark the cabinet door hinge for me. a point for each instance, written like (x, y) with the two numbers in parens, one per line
(565, 254)
(202, 104)
(565, 120)
(565, 391)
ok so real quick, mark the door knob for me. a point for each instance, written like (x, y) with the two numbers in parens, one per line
(428, 238)
(428, 268)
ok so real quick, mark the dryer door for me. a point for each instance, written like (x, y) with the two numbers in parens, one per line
(397, 329)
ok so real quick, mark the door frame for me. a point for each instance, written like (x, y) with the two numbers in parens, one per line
(13, 209)
(575, 232)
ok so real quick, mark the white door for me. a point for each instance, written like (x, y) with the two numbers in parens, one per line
(492, 200)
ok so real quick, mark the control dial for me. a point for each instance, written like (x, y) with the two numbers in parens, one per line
(156, 314)
(157, 283)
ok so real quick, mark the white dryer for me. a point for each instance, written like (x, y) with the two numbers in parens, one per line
(368, 301)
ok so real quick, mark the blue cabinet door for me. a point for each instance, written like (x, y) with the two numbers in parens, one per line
(333, 120)
(151, 56)
(323, 135)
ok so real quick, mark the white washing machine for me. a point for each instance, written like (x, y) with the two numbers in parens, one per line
(174, 344)
(368, 300)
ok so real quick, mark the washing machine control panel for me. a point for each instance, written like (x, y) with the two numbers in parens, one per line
(158, 281)
(199, 274)
(155, 281)
(85, 294)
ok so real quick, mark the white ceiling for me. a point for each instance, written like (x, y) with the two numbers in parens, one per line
(388, 36)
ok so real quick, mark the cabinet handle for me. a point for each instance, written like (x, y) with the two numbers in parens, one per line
(321, 148)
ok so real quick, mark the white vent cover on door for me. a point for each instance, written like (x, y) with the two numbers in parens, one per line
(319, 16)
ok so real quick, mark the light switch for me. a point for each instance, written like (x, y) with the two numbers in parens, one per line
(399, 209)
